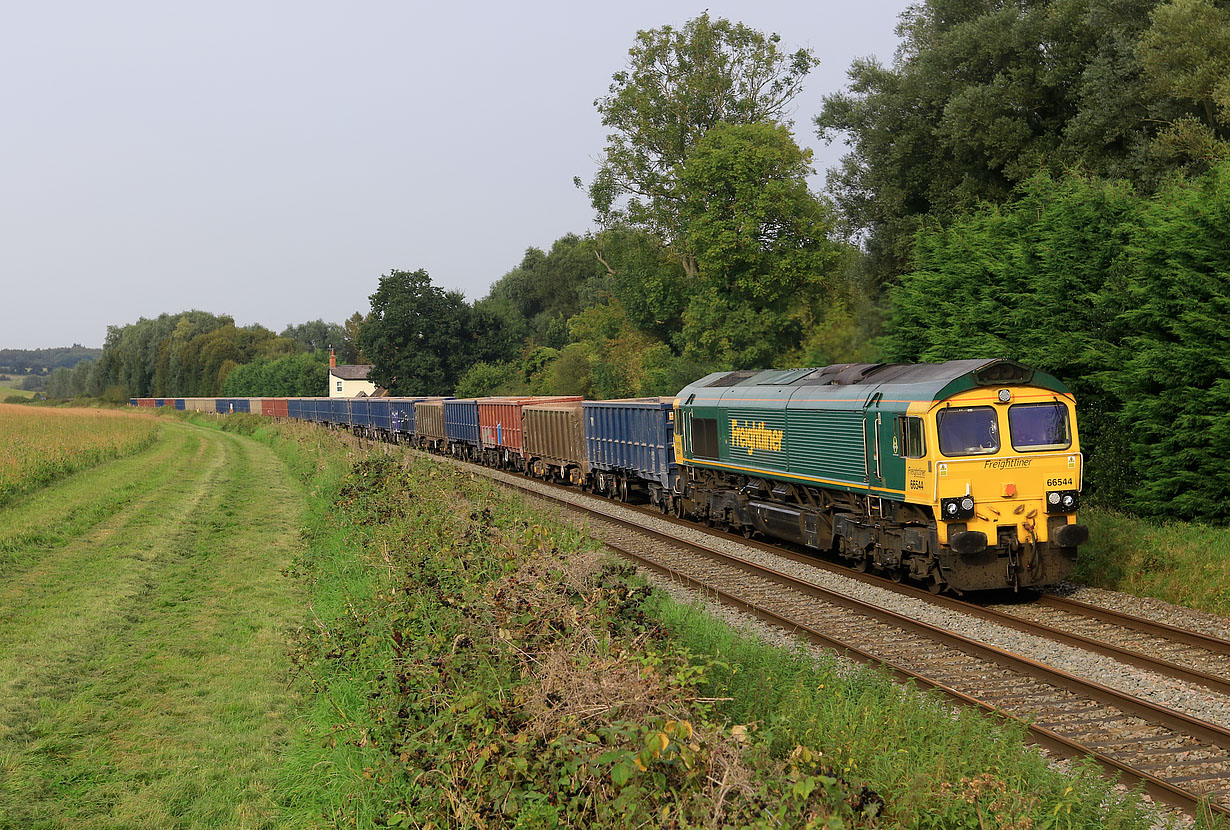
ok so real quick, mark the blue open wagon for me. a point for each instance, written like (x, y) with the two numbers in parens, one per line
(630, 445)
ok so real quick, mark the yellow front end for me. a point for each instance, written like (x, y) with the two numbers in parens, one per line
(1003, 476)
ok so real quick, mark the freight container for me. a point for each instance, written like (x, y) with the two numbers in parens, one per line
(429, 424)
(401, 415)
(276, 407)
(555, 441)
(630, 447)
(256, 406)
(179, 404)
(324, 409)
(500, 426)
(306, 407)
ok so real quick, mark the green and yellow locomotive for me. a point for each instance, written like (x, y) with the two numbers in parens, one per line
(965, 474)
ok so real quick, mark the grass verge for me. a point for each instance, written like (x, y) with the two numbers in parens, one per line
(1180, 562)
(143, 676)
(471, 664)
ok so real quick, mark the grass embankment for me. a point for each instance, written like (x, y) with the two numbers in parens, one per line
(143, 610)
(475, 665)
(37, 446)
(1180, 562)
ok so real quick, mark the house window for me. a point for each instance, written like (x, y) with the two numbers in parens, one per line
(339, 386)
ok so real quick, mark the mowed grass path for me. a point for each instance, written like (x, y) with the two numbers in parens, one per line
(143, 678)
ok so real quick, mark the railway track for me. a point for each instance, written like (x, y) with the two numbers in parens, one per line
(1178, 759)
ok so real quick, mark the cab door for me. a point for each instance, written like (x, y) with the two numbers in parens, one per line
(875, 433)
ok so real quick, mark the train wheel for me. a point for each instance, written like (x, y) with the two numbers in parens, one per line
(896, 574)
(748, 531)
(862, 563)
(935, 583)
(623, 489)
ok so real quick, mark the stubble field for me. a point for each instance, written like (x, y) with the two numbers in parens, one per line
(39, 445)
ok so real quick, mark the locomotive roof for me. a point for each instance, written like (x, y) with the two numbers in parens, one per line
(901, 381)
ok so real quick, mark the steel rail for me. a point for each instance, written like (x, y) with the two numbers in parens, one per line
(1138, 659)
(1146, 626)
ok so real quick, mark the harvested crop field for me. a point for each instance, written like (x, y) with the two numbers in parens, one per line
(38, 445)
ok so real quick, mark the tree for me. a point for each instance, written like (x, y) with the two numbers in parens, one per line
(678, 84)
(1174, 364)
(317, 335)
(982, 96)
(296, 375)
(349, 350)
(484, 379)
(761, 245)
(418, 336)
(1185, 55)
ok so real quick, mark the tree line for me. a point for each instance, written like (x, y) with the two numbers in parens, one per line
(1041, 181)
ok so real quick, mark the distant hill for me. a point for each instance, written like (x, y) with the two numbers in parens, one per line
(42, 361)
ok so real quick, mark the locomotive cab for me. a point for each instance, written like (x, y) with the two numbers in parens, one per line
(1002, 469)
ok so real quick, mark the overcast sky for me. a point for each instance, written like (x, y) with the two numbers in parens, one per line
(272, 160)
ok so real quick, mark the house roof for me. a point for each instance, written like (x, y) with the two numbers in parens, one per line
(358, 372)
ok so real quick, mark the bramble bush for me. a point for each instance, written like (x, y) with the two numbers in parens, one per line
(496, 678)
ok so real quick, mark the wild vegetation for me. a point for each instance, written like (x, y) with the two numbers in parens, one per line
(478, 664)
(39, 446)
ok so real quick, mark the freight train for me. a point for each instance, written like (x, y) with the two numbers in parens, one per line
(965, 475)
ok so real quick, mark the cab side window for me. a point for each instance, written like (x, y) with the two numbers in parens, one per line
(704, 437)
(909, 441)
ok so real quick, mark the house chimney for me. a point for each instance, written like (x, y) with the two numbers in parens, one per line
(332, 359)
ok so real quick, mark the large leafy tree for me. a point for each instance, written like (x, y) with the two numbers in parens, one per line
(760, 239)
(1185, 55)
(182, 354)
(296, 375)
(982, 95)
(418, 336)
(678, 84)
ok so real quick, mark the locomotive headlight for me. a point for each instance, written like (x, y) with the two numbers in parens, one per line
(1005, 395)
(955, 509)
(1062, 501)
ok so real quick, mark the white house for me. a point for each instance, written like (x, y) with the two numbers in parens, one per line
(349, 381)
